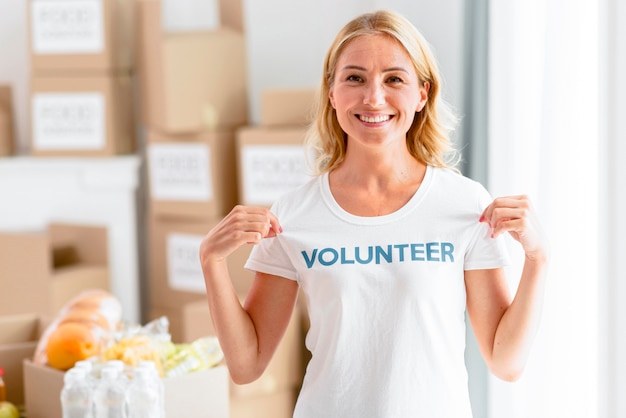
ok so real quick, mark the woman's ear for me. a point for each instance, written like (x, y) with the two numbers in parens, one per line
(331, 97)
(424, 89)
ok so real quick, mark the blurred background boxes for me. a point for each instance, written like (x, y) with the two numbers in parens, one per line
(190, 81)
(82, 115)
(40, 271)
(82, 60)
(271, 161)
(284, 371)
(191, 175)
(81, 36)
(287, 106)
(274, 393)
(7, 140)
(18, 340)
(175, 272)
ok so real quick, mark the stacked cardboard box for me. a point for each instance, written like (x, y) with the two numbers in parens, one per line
(7, 144)
(190, 118)
(81, 56)
(193, 107)
(271, 156)
(40, 271)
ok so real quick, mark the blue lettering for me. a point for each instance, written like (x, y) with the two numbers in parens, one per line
(432, 248)
(370, 255)
(381, 252)
(417, 251)
(447, 250)
(343, 257)
(332, 261)
(401, 247)
(309, 261)
(429, 251)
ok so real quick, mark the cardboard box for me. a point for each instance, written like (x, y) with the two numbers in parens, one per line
(41, 271)
(175, 273)
(190, 82)
(80, 35)
(285, 370)
(18, 340)
(231, 14)
(278, 404)
(202, 394)
(7, 141)
(192, 176)
(270, 161)
(82, 116)
(287, 106)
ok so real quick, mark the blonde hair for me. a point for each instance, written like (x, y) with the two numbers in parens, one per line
(428, 138)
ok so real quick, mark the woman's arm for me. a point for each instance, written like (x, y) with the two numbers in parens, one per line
(248, 334)
(505, 328)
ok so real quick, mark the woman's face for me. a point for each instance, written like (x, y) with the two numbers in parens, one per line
(376, 91)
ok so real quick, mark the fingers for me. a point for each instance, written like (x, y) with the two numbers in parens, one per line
(508, 213)
(251, 224)
(254, 224)
(515, 215)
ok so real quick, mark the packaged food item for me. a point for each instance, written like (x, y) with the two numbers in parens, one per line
(84, 327)
(201, 354)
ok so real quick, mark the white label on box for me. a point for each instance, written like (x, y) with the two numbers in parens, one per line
(180, 172)
(190, 15)
(67, 26)
(184, 271)
(69, 121)
(268, 171)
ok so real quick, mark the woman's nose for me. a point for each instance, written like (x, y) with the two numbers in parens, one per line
(374, 95)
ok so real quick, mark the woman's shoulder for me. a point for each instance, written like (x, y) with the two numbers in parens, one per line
(460, 187)
(453, 177)
(300, 195)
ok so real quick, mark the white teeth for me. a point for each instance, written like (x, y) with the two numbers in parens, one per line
(374, 119)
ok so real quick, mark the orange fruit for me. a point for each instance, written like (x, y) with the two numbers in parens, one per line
(69, 343)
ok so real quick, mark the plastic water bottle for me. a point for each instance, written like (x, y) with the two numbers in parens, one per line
(89, 369)
(109, 396)
(76, 395)
(151, 365)
(144, 398)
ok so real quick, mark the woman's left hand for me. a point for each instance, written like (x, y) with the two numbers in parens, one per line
(515, 215)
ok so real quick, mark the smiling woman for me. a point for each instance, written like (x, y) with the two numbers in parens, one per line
(389, 244)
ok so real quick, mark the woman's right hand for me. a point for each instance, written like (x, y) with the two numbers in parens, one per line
(243, 225)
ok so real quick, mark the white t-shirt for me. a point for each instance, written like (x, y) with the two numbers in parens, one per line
(386, 296)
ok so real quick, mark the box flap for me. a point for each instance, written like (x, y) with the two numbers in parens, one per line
(73, 244)
(19, 328)
(25, 263)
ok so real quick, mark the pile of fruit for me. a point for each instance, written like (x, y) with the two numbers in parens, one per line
(90, 327)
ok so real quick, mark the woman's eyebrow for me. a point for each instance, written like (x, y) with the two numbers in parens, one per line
(359, 68)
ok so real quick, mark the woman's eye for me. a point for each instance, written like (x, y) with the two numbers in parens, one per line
(394, 79)
(354, 78)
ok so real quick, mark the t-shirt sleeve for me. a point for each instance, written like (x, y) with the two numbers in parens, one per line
(485, 252)
(271, 257)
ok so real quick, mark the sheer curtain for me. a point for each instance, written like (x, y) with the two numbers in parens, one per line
(543, 141)
(612, 230)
